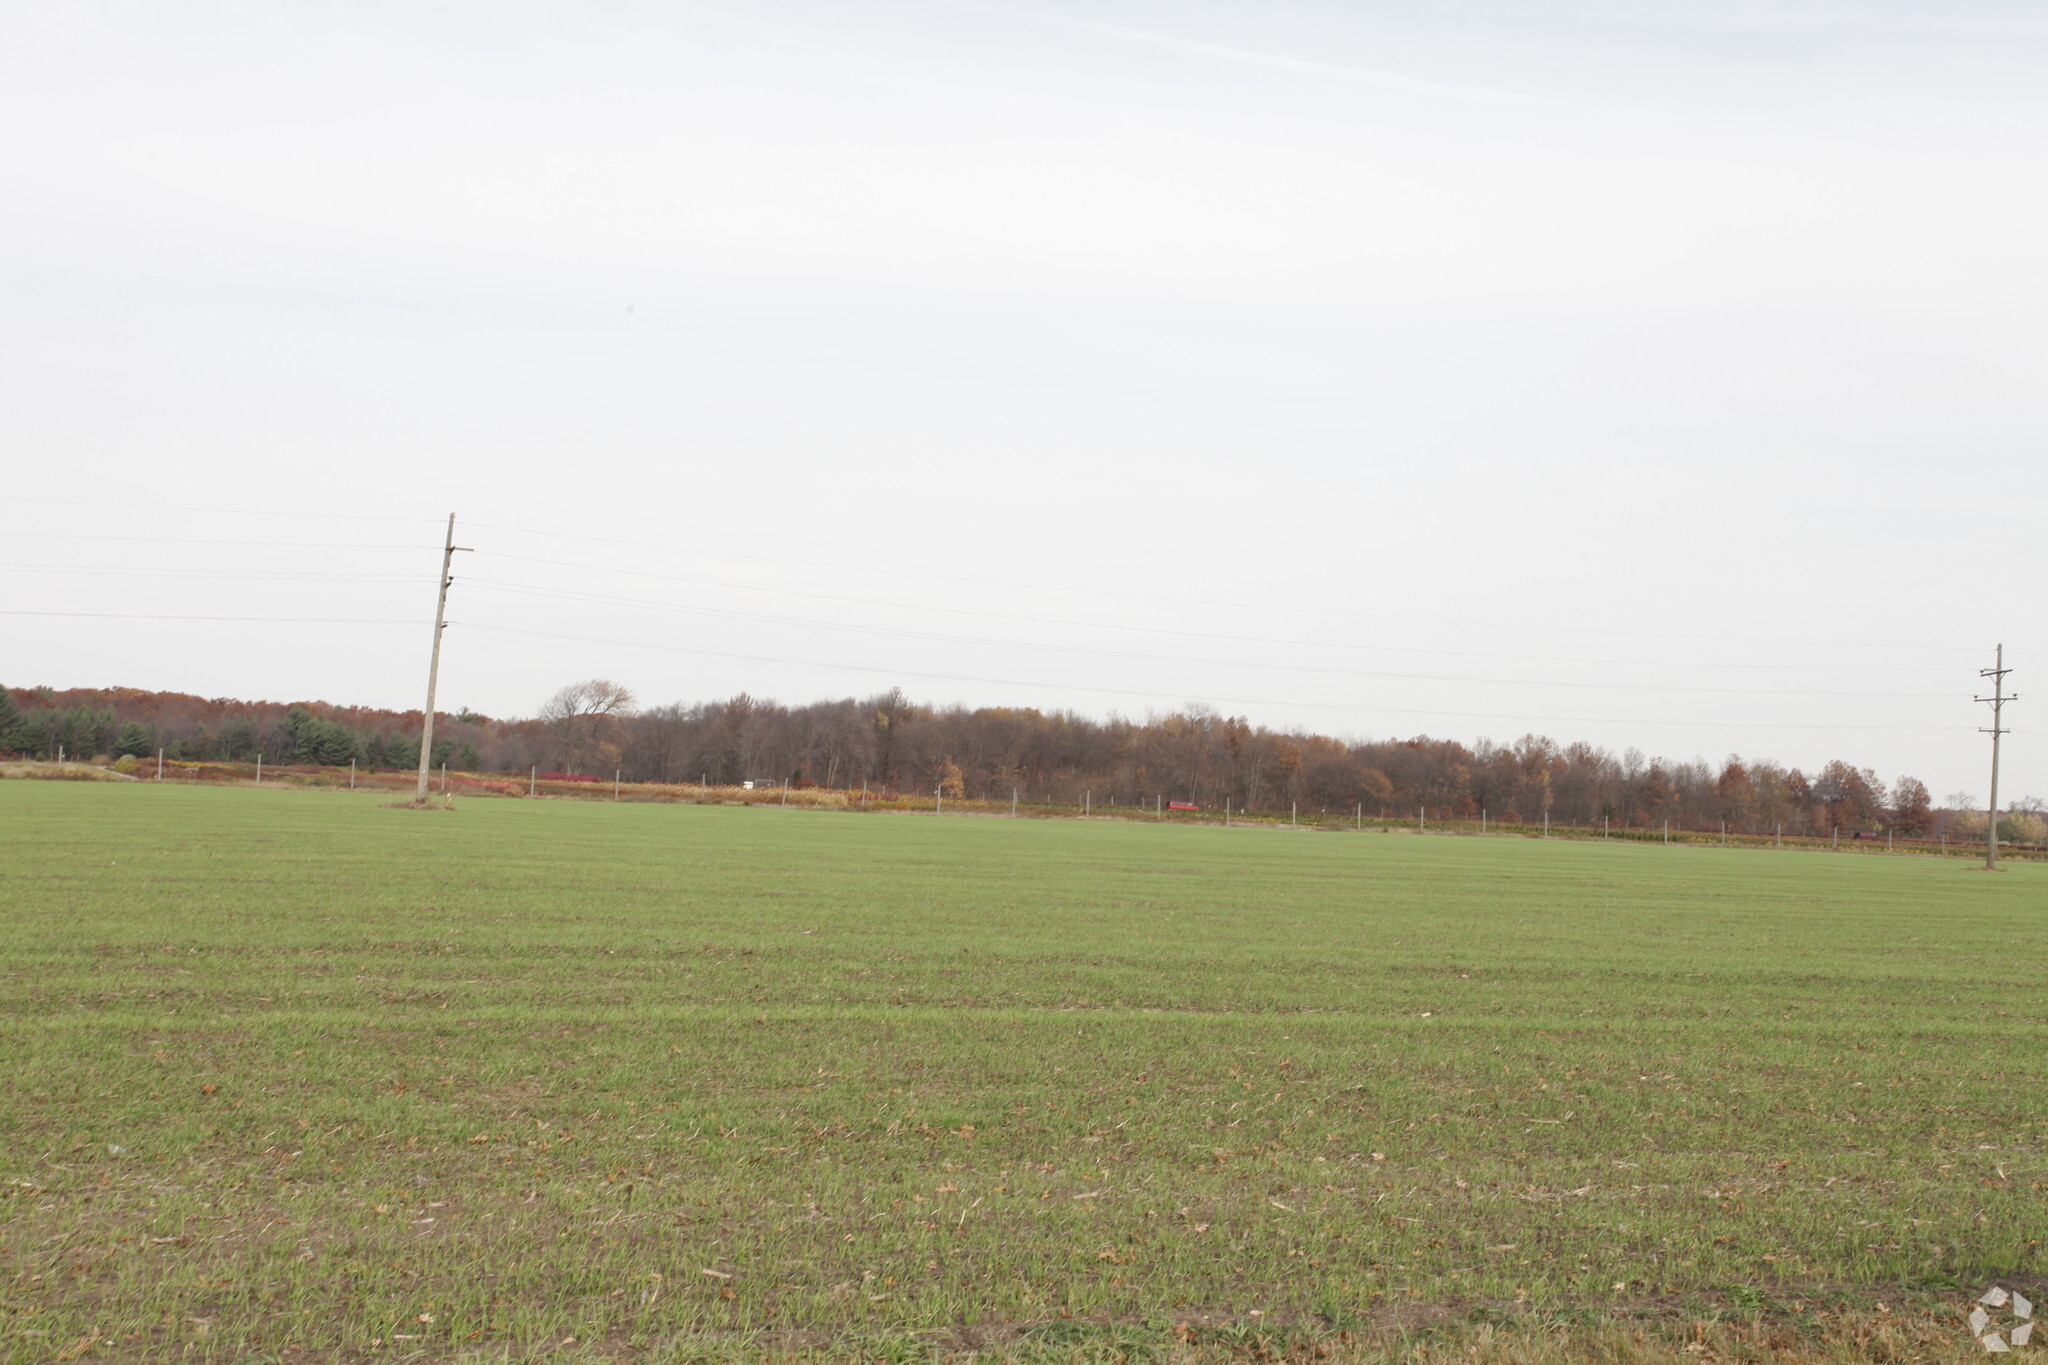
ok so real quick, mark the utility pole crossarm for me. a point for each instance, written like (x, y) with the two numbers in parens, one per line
(448, 549)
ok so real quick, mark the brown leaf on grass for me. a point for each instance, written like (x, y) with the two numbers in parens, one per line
(78, 1347)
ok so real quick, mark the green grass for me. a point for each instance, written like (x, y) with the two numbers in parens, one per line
(297, 1074)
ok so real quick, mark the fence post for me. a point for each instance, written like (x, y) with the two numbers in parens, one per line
(1294, 813)
(615, 782)
(1013, 803)
(533, 781)
(351, 774)
(1084, 801)
(259, 767)
(160, 768)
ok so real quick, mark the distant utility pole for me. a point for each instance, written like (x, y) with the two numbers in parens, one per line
(434, 664)
(1997, 701)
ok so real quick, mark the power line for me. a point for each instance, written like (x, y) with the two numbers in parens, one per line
(537, 590)
(181, 540)
(282, 576)
(677, 609)
(1191, 601)
(158, 616)
(1089, 625)
(1134, 692)
(216, 511)
(922, 574)
(532, 590)
(951, 579)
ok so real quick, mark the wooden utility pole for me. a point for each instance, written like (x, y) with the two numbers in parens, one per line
(1997, 701)
(434, 662)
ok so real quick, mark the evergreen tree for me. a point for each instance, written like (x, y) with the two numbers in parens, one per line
(138, 738)
(315, 739)
(402, 751)
(10, 722)
(34, 734)
(84, 731)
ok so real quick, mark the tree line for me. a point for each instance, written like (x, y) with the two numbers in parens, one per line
(113, 723)
(887, 741)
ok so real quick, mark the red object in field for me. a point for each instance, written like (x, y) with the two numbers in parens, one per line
(1182, 805)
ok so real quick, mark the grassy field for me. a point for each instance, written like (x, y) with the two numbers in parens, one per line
(297, 1076)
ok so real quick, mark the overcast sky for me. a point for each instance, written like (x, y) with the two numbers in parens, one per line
(1665, 375)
